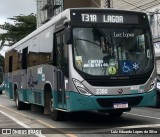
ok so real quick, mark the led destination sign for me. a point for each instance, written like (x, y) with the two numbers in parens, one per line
(104, 18)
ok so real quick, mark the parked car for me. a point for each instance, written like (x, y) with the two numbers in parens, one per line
(158, 90)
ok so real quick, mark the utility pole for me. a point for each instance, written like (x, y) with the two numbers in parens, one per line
(108, 3)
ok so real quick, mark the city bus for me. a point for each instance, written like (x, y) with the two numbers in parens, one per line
(84, 59)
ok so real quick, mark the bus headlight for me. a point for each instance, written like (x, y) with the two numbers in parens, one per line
(152, 85)
(81, 88)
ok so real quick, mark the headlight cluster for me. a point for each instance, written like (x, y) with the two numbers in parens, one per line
(81, 88)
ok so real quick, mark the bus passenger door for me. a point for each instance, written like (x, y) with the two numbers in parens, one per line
(60, 70)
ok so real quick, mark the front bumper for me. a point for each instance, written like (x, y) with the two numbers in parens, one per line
(78, 102)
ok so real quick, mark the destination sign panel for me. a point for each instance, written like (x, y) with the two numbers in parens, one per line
(104, 18)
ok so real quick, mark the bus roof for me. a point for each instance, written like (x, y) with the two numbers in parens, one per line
(64, 14)
(40, 29)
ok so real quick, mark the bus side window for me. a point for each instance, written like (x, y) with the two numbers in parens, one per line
(54, 50)
(66, 62)
(24, 58)
(1, 75)
(58, 51)
(10, 63)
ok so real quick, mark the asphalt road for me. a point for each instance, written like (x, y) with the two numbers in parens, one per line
(137, 122)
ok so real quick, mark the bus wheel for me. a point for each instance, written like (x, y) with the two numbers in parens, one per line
(0, 91)
(56, 115)
(19, 104)
(115, 114)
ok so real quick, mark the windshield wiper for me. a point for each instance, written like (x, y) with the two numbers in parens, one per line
(129, 31)
(87, 41)
(102, 33)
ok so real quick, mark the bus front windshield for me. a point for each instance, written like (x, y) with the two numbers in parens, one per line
(112, 51)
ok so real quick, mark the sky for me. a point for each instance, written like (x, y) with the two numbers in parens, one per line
(10, 8)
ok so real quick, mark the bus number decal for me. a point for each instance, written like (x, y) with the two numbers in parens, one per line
(89, 17)
(101, 91)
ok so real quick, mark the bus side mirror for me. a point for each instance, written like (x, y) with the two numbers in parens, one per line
(67, 36)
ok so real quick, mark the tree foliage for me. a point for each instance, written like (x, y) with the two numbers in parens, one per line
(23, 25)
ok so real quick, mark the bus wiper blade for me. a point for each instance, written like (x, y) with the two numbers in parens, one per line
(86, 41)
(102, 33)
(129, 31)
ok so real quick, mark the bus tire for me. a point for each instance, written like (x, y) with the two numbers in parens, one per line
(0, 92)
(115, 114)
(56, 115)
(18, 103)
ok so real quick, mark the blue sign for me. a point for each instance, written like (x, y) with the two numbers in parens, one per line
(126, 66)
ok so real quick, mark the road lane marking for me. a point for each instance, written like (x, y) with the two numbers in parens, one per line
(142, 115)
(141, 126)
(27, 116)
(69, 135)
(19, 122)
(46, 124)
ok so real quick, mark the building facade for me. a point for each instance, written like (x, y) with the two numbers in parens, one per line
(46, 9)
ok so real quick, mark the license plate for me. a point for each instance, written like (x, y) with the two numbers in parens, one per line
(120, 105)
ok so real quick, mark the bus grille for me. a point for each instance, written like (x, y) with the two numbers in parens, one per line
(109, 83)
(108, 102)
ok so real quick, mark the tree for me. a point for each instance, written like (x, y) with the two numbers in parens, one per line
(23, 25)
